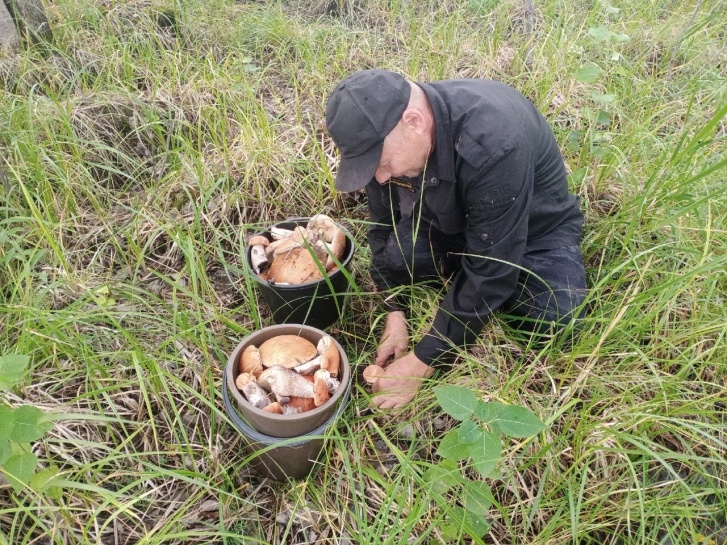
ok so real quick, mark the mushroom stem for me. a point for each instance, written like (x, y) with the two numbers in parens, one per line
(310, 366)
(279, 232)
(245, 382)
(328, 358)
(258, 258)
(258, 253)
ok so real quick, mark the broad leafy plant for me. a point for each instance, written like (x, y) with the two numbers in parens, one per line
(19, 427)
(477, 440)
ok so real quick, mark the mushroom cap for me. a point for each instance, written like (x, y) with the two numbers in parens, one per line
(250, 361)
(320, 391)
(294, 267)
(287, 351)
(331, 357)
(324, 225)
(258, 240)
(337, 246)
(274, 408)
(302, 404)
(372, 373)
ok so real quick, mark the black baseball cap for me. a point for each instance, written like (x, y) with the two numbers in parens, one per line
(361, 111)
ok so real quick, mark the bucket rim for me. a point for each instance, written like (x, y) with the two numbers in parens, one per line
(345, 261)
(346, 376)
(268, 440)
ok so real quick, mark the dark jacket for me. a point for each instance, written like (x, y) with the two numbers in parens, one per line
(497, 176)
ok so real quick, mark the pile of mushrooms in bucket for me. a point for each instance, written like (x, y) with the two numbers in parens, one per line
(288, 374)
(297, 256)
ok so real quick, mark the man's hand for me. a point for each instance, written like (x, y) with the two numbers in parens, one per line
(395, 339)
(397, 385)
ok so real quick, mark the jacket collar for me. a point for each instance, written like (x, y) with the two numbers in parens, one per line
(441, 162)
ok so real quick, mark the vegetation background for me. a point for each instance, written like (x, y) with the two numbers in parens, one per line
(140, 149)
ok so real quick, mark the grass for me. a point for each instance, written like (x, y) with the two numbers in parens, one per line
(141, 149)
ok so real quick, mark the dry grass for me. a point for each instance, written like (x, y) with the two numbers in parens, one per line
(138, 154)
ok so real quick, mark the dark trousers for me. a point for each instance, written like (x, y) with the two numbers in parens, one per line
(551, 285)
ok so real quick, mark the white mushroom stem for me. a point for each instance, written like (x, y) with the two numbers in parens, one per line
(279, 233)
(310, 366)
(245, 382)
(333, 384)
(258, 253)
(258, 258)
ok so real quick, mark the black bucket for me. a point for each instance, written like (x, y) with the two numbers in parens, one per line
(319, 303)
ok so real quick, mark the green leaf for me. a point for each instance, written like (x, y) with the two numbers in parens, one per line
(517, 421)
(12, 367)
(478, 497)
(19, 469)
(487, 411)
(599, 33)
(27, 426)
(451, 448)
(605, 98)
(588, 73)
(5, 451)
(443, 476)
(475, 525)
(43, 480)
(486, 454)
(577, 176)
(469, 432)
(7, 421)
(456, 401)
(620, 38)
(611, 10)
(463, 521)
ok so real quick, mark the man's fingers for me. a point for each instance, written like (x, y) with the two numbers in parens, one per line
(391, 402)
(385, 356)
(372, 373)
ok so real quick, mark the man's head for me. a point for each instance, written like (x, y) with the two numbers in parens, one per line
(382, 125)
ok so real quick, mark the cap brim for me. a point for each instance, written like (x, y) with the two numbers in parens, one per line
(356, 172)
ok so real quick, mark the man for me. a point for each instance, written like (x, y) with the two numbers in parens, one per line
(464, 180)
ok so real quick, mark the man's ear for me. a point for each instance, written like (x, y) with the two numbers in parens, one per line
(414, 120)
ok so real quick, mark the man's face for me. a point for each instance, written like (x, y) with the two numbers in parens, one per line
(405, 153)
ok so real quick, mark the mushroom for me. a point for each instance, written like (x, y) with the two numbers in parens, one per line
(320, 388)
(372, 373)
(275, 366)
(252, 391)
(296, 266)
(250, 361)
(285, 383)
(286, 351)
(328, 358)
(286, 240)
(299, 405)
(258, 256)
(274, 408)
(330, 233)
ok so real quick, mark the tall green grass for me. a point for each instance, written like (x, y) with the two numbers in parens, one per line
(138, 152)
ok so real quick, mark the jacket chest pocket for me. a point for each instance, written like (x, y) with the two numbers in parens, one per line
(442, 203)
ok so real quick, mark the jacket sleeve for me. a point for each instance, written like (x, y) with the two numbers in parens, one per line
(383, 215)
(497, 198)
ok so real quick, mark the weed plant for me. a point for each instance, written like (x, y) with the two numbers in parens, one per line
(141, 148)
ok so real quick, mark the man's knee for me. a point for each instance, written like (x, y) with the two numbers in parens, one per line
(407, 262)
